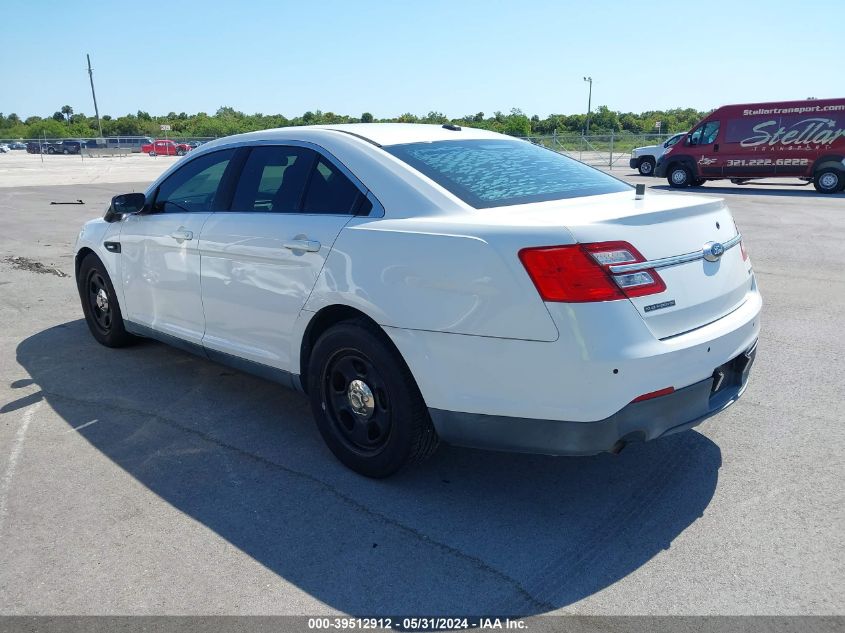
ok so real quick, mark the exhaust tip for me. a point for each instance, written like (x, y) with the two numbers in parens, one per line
(617, 448)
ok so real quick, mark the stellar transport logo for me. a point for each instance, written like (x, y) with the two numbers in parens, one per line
(812, 131)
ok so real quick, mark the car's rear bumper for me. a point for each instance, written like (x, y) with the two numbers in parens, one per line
(638, 421)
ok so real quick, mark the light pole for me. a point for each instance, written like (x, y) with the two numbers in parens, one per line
(589, 80)
(93, 94)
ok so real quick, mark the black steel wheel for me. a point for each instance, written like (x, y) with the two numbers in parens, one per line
(365, 401)
(357, 402)
(98, 301)
(99, 304)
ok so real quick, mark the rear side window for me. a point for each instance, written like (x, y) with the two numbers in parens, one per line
(273, 179)
(193, 187)
(329, 191)
(495, 173)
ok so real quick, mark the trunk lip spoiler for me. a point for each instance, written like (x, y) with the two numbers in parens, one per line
(674, 260)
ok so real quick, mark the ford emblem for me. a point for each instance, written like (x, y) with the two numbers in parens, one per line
(713, 251)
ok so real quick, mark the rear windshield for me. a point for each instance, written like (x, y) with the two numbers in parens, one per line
(497, 173)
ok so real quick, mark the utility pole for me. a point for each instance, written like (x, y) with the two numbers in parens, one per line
(93, 94)
(589, 80)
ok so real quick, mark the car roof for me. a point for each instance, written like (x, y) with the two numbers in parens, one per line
(382, 134)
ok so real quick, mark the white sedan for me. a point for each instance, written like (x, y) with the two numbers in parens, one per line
(424, 283)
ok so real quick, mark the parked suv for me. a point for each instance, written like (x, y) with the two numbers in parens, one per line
(645, 158)
(61, 147)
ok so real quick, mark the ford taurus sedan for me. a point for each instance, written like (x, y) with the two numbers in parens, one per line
(427, 283)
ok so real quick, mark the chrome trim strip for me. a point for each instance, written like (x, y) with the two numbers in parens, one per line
(670, 261)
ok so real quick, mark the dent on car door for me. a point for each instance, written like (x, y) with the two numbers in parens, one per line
(160, 262)
(261, 259)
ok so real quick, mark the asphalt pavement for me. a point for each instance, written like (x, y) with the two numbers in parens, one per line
(149, 481)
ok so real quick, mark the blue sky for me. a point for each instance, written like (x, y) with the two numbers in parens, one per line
(387, 58)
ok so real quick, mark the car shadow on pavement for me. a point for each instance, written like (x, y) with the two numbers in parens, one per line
(796, 191)
(468, 532)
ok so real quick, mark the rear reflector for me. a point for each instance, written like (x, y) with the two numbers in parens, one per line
(581, 272)
(654, 394)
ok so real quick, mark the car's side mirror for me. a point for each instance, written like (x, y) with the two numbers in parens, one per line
(125, 204)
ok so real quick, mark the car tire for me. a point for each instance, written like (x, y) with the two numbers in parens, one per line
(829, 180)
(153, 154)
(64, 151)
(50, 150)
(180, 152)
(99, 304)
(679, 176)
(646, 167)
(365, 401)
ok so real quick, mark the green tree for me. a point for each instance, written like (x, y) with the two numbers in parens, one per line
(517, 124)
(435, 117)
(67, 111)
(366, 118)
(47, 128)
(58, 116)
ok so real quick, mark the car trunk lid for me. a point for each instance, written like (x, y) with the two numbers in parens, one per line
(663, 227)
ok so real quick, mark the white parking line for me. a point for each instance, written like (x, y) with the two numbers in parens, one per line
(14, 455)
(81, 426)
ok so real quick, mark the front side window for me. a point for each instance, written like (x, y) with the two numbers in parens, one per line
(273, 179)
(705, 134)
(495, 173)
(193, 188)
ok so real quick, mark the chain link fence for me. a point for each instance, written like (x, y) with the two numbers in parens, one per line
(599, 150)
(93, 147)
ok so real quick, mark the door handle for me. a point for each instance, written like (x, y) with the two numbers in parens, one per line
(716, 147)
(309, 246)
(181, 235)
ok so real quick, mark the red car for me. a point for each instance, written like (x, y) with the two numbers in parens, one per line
(801, 139)
(166, 148)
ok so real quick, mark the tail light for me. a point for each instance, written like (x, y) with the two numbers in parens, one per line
(581, 272)
(741, 245)
(654, 394)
